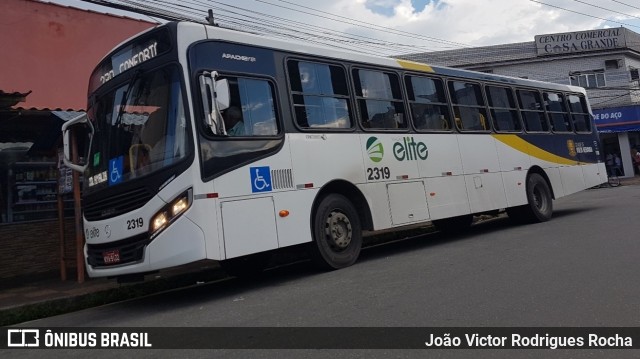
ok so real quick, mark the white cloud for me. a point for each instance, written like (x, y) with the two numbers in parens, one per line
(472, 22)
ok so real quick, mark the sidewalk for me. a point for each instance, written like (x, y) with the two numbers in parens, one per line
(44, 298)
(51, 297)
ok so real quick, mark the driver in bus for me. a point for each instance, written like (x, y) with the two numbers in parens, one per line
(233, 121)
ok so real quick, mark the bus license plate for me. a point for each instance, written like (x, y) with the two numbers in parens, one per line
(111, 257)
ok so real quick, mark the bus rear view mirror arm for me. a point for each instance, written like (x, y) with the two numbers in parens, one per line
(215, 98)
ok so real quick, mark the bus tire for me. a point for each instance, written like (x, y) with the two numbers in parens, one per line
(337, 233)
(454, 224)
(249, 266)
(539, 207)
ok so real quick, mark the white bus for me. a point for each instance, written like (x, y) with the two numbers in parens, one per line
(215, 144)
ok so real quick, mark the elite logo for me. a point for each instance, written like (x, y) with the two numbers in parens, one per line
(410, 150)
(375, 150)
(406, 150)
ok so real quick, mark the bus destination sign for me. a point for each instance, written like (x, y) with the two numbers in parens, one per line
(129, 57)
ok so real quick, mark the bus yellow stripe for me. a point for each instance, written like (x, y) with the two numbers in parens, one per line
(410, 65)
(514, 141)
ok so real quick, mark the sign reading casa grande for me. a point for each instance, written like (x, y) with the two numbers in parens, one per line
(580, 41)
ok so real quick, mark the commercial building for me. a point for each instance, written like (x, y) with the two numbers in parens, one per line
(48, 53)
(606, 62)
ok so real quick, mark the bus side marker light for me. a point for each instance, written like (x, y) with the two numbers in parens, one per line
(283, 213)
(432, 194)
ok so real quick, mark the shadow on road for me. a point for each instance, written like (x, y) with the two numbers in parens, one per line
(296, 266)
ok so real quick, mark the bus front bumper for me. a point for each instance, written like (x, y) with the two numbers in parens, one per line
(181, 243)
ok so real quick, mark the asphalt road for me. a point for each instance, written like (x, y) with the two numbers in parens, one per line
(580, 269)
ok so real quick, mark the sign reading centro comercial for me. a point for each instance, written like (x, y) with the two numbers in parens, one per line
(580, 41)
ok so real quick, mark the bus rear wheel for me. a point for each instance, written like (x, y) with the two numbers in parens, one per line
(337, 233)
(539, 207)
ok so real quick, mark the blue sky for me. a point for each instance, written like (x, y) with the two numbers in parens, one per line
(387, 7)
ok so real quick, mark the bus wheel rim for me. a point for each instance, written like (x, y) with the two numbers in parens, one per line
(338, 230)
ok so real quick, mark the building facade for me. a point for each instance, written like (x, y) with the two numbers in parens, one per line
(48, 53)
(606, 62)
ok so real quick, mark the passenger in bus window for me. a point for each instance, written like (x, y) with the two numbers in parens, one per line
(233, 121)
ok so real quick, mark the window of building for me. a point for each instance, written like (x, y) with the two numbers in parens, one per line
(532, 111)
(579, 113)
(557, 110)
(612, 64)
(503, 109)
(320, 95)
(428, 104)
(588, 80)
(468, 106)
(379, 99)
(635, 74)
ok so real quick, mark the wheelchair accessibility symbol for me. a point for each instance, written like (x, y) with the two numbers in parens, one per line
(260, 179)
(115, 170)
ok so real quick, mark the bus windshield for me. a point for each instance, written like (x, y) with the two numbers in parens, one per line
(140, 128)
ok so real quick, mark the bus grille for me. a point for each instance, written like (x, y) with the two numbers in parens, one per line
(116, 205)
(130, 250)
(281, 179)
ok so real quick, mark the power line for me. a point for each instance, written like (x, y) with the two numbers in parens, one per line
(366, 24)
(290, 29)
(581, 13)
(603, 8)
(620, 2)
(325, 30)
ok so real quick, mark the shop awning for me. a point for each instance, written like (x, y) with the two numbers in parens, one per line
(9, 99)
(617, 119)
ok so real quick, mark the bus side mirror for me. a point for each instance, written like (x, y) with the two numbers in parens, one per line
(68, 142)
(222, 94)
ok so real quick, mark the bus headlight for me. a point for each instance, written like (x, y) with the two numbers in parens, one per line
(170, 212)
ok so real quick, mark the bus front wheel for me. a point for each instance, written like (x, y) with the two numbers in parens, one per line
(337, 233)
(539, 207)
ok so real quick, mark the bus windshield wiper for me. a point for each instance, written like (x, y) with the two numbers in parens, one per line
(127, 96)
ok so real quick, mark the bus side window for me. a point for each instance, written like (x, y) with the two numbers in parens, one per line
(252, 109)
(503, 109)
(532, 111)
(428, 104)
(579, 113)
(557, 110)
(379, 100)
(468, 106)
(320, 95)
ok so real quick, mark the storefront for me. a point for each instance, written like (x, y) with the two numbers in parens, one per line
(43, 84)
(619, 129)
